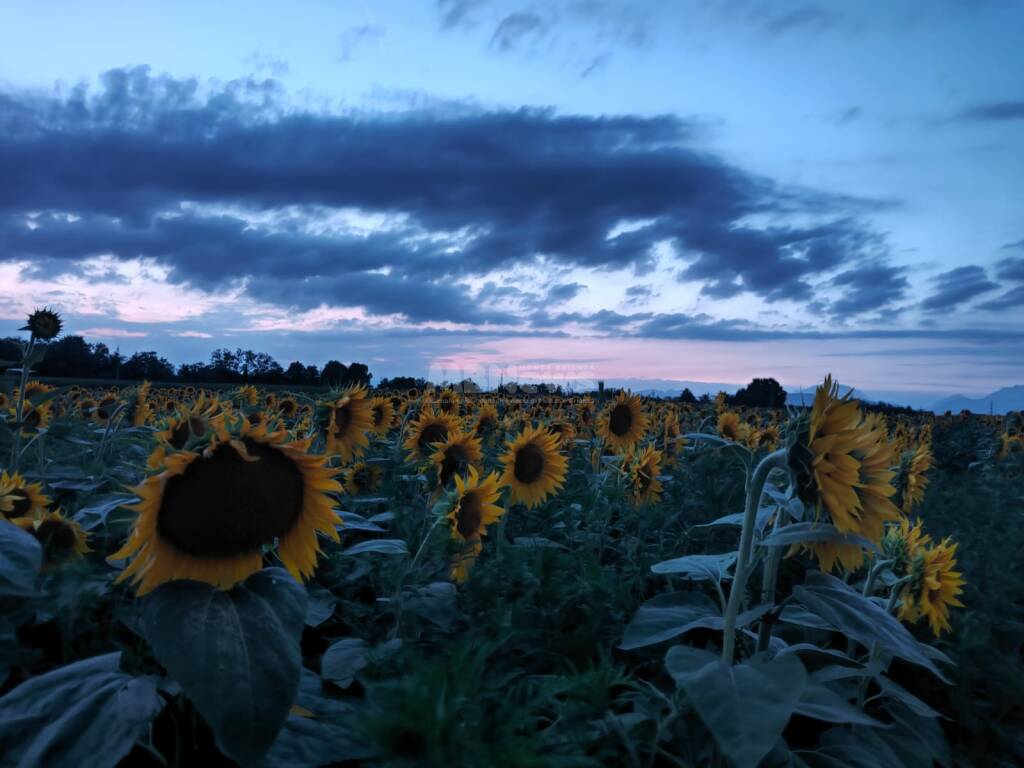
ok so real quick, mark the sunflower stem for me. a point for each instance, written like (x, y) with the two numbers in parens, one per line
(768, 585)
(755, 487)
(890, 606)
(26, 369)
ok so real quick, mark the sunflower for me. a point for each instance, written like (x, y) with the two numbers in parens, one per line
(21, 499)
(768, 438)
(34, 417)
(247, 394)
(933, 588)
(731, 428)
(486, 419)
(105, 410)
(287, 407)
(208, 516)
(141, 411)
(383, 413)
(363, 478)
(473, 510)
(534, 469)
(843, 470)
(44, 324)
(455, 455)
(911, 477)
(349, 418)
(902, 544)
(645, 488)
(5, 401)
(672, 441)
(565, 431)
(585, 413)
(430, 427)
(623, 423)
(61, 539)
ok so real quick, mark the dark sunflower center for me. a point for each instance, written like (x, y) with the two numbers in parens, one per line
(21, 504)
(621, 420)
(57, 539)
(470, 514)
(455, 460)
(32, 418)
(361, 477)
(223, 505)
(378, 415)
(342, 418)
(447, 405)
(432, 433)
(288, 407)
(529, 463)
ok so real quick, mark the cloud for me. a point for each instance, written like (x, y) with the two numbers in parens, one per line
(457, 13)
(638, 294)
(808, 15)
(1011, 269)
(849, 114)
(234, 185)
(994, 111)
(355, 38)
(1009, 300)
(956, 287)
(596, 64)
(515, 28)
(260, 62)
(869, 287)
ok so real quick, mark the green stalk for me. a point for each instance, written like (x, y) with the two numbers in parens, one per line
(755, 487)
(19, 414)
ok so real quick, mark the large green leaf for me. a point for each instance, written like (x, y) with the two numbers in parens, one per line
(699, 567)
(856, 616)
(745, 706)
(823, 703)
(20, 560)
(86, 713)
(342, 659)
(235, 653)
(380, 546)
(799, 533)
(676, 613)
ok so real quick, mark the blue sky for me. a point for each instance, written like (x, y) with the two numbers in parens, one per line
(579, 189)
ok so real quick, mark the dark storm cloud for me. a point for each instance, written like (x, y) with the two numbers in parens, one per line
(995, 111)
(516, 186)
(956, 287)
(868, 288)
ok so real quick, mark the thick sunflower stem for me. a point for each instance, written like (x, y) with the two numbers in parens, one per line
(755, 487)
(769, 581)
(19, 414)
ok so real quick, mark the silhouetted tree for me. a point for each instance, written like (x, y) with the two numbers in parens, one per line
(147, 365)
(760, 393)
(334, 373)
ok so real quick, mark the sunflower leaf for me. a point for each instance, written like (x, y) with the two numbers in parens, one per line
(235, 654)
(799, 533)
(699, 567)
(745, 706)
(20, 560)
(380, 546)
(85, 713)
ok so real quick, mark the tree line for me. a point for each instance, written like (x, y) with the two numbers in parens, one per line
(74, 357)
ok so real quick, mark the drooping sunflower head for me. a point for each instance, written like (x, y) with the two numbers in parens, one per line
(209, 516)
(934, 587)
(383, 413)
(288, 407)
(624, 422)
(645, 488)
(43, 324)
(105, 410)
(486, 421)
(455, 455)
(363, 478)
(34, 417)
(911, 478)
(533, 467)
(429, 427)
(61, 539)
(902, 544)
(19, 498)
(565, 431)
(843, 472)
(247, 395)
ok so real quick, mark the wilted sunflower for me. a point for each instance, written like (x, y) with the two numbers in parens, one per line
(208, 516)
(843, 469)
(429, 427)
(140, 408)
(623, 423)
(731, 428)
(44, 324)
(644, 486)
(474, 509)
(21, 499)
(383, 413)
(455, 455)
(363, 478)
(61, 539)
(349, 418)
(534, 469)
(933, 588)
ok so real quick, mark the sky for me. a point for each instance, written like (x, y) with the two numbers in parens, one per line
(570, 190)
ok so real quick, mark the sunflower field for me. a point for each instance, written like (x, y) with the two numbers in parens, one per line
(251, 576)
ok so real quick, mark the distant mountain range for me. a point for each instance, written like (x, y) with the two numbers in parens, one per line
(1000, 401)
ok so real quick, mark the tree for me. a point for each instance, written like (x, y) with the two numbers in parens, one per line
(358, 373)
(687, 396)
(334, 373)
(147, 365)
(760, 393)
